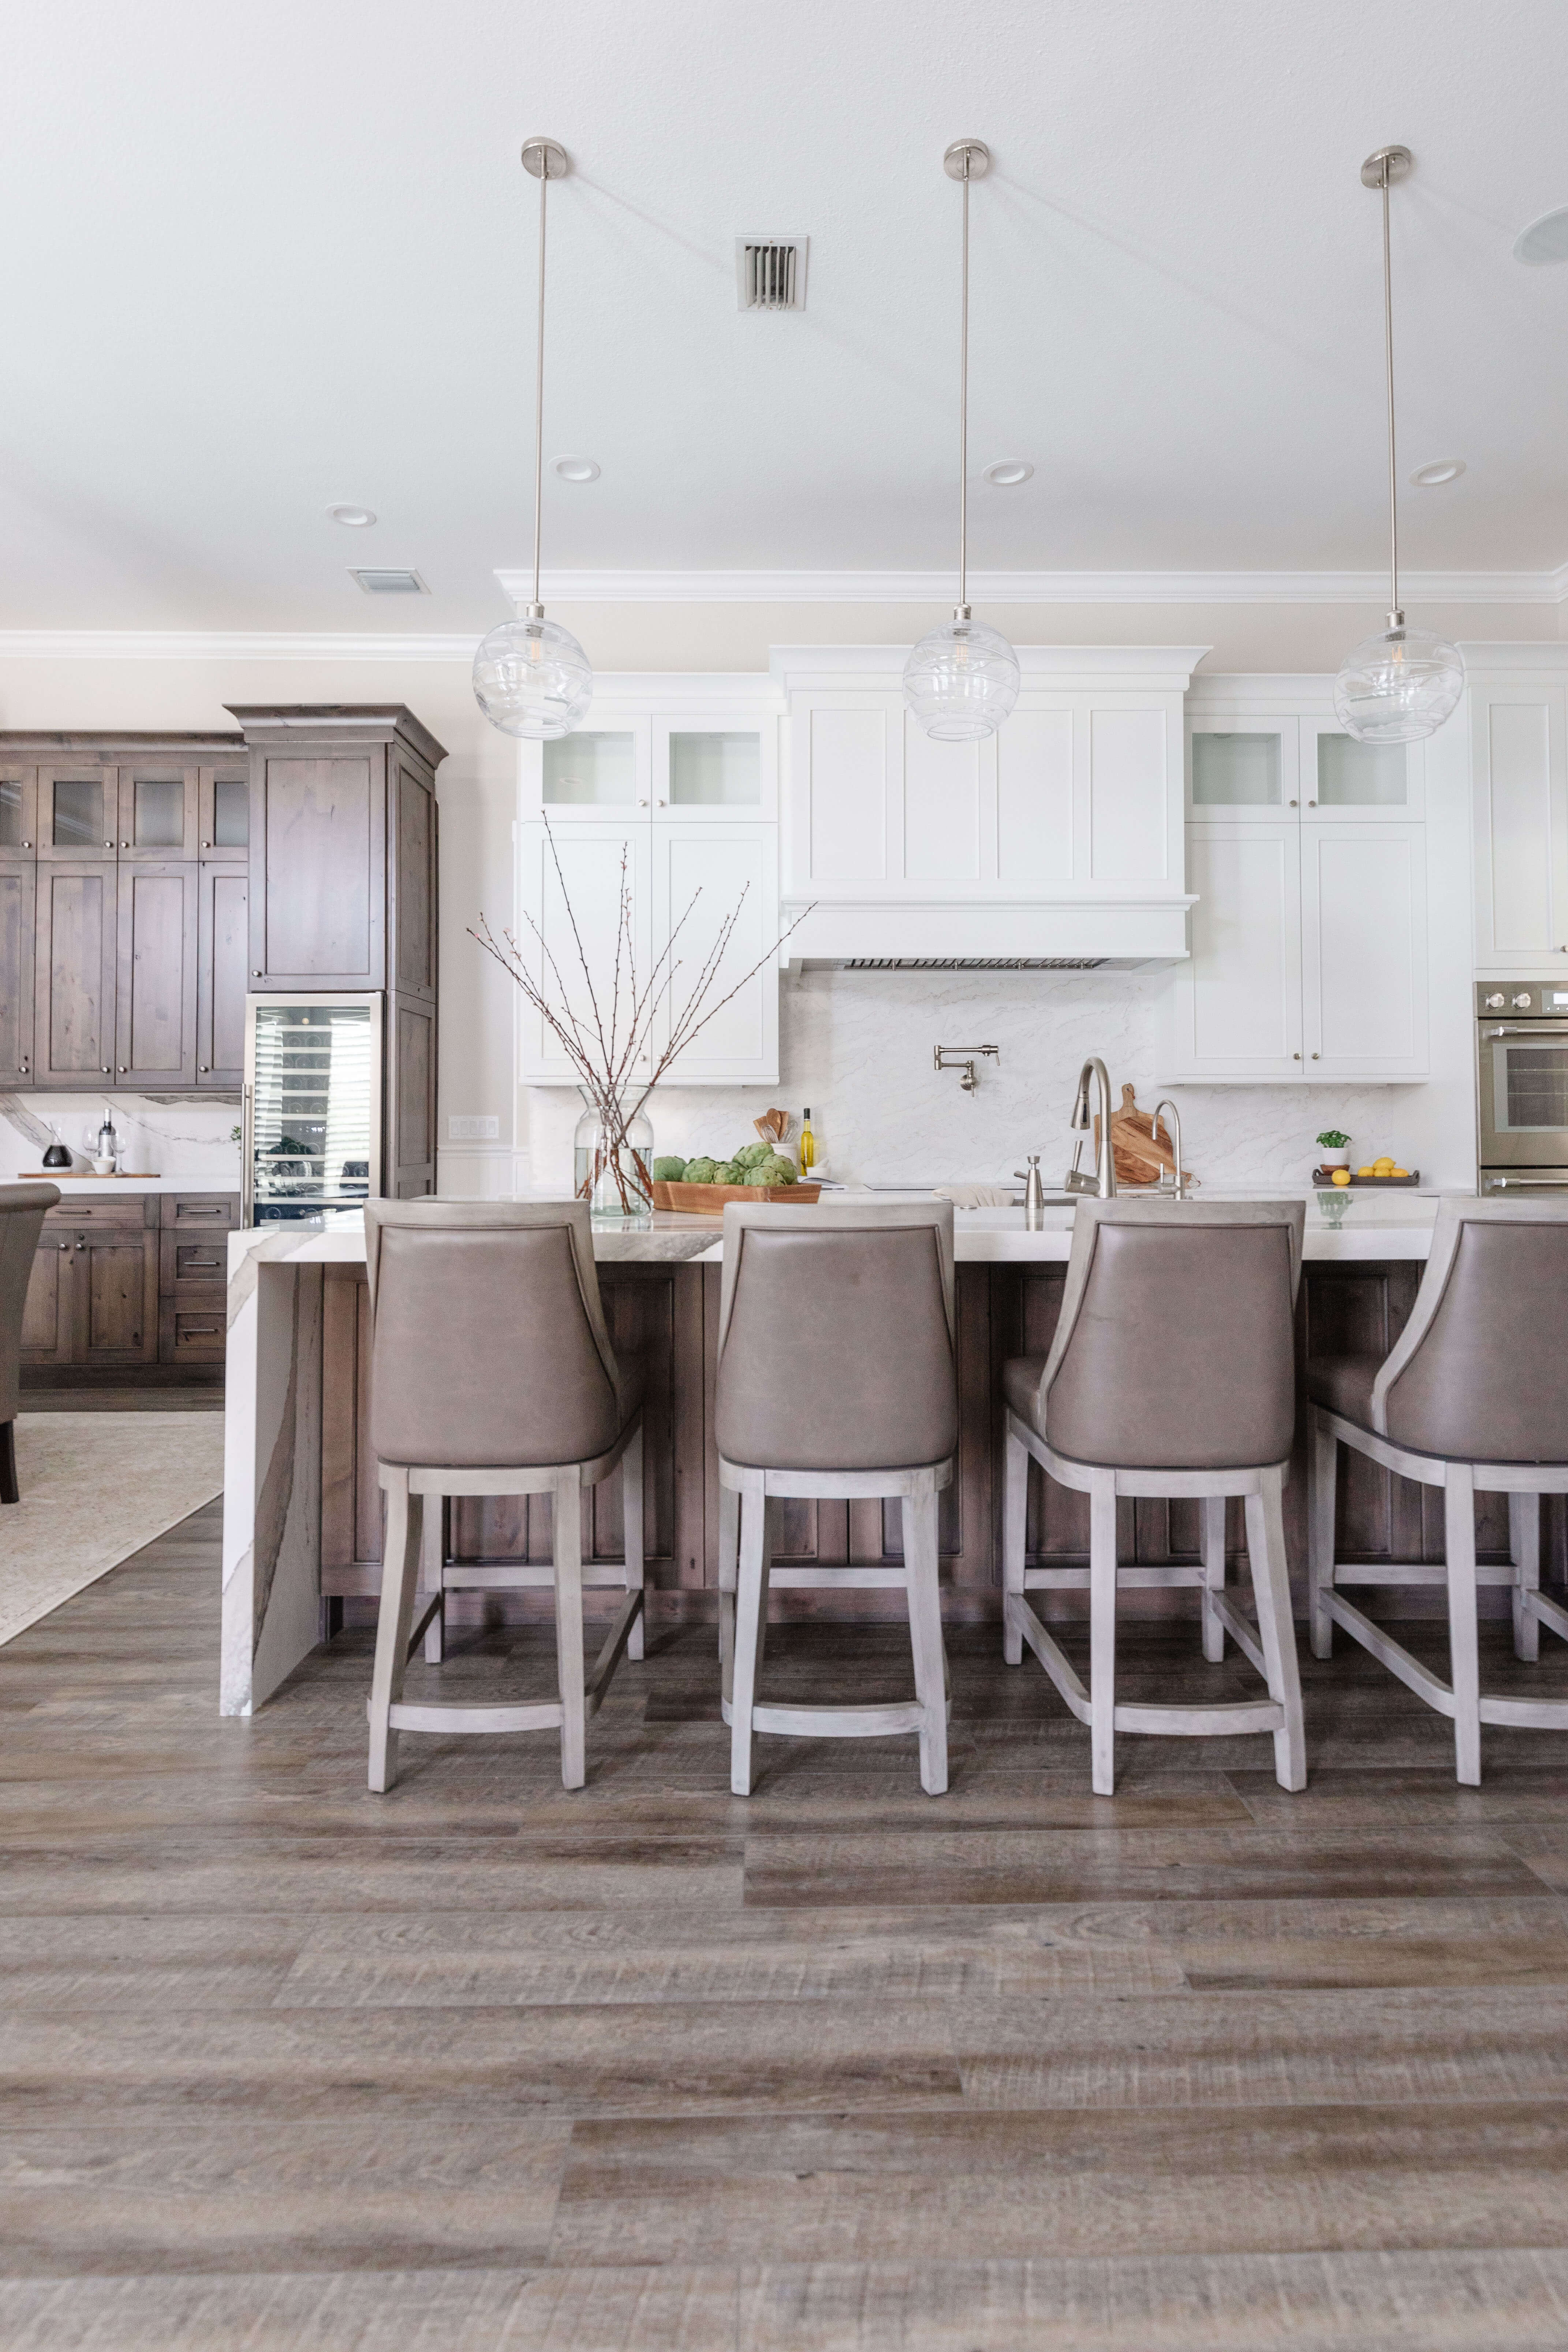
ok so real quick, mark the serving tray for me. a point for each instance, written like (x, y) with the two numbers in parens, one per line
(1367, 1183)
(700, 1200)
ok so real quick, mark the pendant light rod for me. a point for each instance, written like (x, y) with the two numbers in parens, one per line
(1381, 171)
(965, 160)
(546, 161)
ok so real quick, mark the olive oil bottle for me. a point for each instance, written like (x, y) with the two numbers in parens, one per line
(807, 1144)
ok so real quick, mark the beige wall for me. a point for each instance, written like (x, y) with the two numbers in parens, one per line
(476, 784)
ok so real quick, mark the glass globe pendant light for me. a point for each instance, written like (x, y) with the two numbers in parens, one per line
(530, 676)
(1400, 685)
(961, 680)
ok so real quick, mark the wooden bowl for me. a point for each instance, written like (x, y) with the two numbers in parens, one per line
(708, 1200)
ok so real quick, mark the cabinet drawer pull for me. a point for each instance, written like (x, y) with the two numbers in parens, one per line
(198, 1331)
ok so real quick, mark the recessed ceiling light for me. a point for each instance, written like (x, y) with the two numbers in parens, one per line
(1441, 469)
(1007, 472)
(351, 518)
(1545, 240)
(575, 469)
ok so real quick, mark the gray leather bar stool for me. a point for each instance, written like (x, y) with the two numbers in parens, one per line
(836, 1378)
(22, 1208)
(1472, 1398)
(1172, 1372)
(493, 1373)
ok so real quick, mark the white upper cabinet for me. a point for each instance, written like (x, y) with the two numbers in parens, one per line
(1059, 836)
(679, 776)
(1520, 796)
(1307, 852)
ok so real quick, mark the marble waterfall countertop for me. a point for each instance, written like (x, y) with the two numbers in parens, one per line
(1342, 1224)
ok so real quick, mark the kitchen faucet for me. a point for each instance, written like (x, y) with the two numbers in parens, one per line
(1179, 1179)
(1103, 1181)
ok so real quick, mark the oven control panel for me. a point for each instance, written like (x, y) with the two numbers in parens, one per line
(1546, 1001)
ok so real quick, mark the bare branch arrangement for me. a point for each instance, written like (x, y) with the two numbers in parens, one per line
(610, 1031)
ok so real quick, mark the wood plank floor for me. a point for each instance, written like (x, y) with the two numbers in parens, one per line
(840, 2069)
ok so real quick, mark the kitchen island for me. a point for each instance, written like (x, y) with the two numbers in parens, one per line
(302, 1507)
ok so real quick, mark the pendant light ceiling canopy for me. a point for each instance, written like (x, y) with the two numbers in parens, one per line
(530, 676)
(1400, 685)
(961, 679)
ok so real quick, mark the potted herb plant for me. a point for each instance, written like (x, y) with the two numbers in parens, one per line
(1335, 1145)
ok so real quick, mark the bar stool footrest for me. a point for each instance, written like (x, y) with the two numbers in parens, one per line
(1203, 1720)
(878, 1722)
(473, 1715)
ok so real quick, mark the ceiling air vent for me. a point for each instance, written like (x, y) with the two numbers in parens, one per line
(770, 272)
(974, 963)
(389, 583)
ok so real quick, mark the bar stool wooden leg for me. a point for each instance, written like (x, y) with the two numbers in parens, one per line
(1321, 1481)
(568, 1543)
(729, 1562)
(432, 1565)
(632, 1525)
(751, 1632)
(1014, 1534)
(923, 1587)
(1524, 1549)
(1459, 1540)
(399, 1575)
(1214, 1577)
(1276, 1630)
(1102, 1632)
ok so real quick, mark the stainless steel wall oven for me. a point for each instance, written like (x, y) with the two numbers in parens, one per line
(1521, 1047)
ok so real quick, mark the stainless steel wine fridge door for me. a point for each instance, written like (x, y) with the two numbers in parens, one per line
(312, 1105)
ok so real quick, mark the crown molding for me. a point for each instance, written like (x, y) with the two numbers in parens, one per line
(588, 587)
(229, 645)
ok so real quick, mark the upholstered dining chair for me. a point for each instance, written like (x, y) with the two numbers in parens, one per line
(1472, 1399)
(493, 1373)
(22, 1208)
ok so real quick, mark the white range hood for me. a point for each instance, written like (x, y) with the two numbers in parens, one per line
(1057, 842)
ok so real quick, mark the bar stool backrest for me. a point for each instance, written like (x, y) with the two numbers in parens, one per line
(489, 1346)
(836, 1331)
(22, 1208)
(1176, 1346)
(1479, 1373)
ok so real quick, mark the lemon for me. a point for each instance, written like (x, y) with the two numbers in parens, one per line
(1401, 1171)
(1368, 1170)
(1341, 1176)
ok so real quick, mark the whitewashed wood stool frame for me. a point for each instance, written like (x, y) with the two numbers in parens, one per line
(396, 1635)
(746, 1574)
(1271, 1646)
(1462, 1699)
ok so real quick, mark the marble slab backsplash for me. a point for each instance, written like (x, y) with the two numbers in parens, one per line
(186, 1138)
(858, 1046)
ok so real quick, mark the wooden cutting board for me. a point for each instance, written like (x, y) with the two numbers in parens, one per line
(1141, 1149)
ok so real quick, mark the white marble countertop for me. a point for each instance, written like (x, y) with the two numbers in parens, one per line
(1340, 1225)
(74, 1188)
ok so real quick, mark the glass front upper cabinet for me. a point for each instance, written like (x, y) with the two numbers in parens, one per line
(715, 770)
(1345, 782)
(77, 813)
(18, 814)
(157, 813)
(1242, 769)
(598, 773)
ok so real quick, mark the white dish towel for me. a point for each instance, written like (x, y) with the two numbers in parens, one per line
(977, 1196)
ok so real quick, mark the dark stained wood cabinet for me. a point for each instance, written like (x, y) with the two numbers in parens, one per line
(223, 953)
(106, 970)
(156, 976)
(342, 848)
(75, 974)
(131, 1283)
(18, 894)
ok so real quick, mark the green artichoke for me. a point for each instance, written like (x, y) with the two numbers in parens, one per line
(670, 1171)
(702, 1170)
(730, 1172)
(777, 1169)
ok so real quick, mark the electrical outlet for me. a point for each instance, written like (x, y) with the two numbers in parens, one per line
(461, 1127)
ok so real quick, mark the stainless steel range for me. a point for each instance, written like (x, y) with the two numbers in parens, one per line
(1521, 1045)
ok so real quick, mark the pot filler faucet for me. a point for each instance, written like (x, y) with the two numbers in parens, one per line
(1103, 1181)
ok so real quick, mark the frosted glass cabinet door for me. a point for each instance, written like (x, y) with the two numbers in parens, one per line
(1242, 771)
(590, 859)
(1521, 793)
(1363, 950)
(1237, 1002)
(600, 774)
(1347, 783)
(715, 770)
(701, 874)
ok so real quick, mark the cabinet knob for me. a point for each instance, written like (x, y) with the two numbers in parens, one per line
(108, 845)
(1312, 804)
(1295, 1058)
(125, 845)
(206, 845)
(27, 845)
(257, 973)
(123, 1067)
(204, 1067)
(1295, 803)
(1317, 1057)
(664, 804)
(65, 1245)
(23, 1067)
(107, 1071)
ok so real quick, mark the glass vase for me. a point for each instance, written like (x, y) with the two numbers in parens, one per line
(612, 1155)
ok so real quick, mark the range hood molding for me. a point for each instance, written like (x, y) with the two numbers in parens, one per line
(1117, 933)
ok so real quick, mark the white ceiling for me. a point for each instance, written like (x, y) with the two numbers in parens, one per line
(258, 259)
